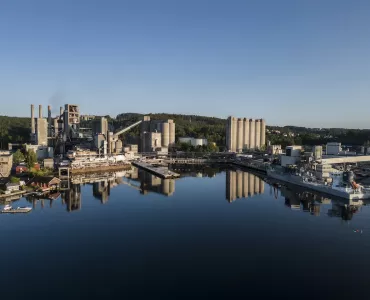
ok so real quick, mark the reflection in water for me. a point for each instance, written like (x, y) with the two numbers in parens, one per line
(311, 202)
(241, 184)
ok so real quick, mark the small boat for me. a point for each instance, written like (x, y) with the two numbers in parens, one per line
(19, 209)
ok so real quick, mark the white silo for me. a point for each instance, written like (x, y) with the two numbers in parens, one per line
(119, 146)
(251, 184)
(252, 134)
(246, 134)
(257, 127)
(240, 136)
(245, 184)
(263, 133)
(234, 133)
(239, 184)
(172, 132)
(165, 134)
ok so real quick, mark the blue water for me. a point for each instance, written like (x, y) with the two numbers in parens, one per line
(199, 242)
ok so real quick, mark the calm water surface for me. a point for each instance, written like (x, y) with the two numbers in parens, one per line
(139, 237)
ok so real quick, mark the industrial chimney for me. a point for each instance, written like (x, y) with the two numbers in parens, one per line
(32, 120)
(40, 111)
(61, 111)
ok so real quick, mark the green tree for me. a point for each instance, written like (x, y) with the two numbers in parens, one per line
(14, 179)
(18, 157)
(30, 158)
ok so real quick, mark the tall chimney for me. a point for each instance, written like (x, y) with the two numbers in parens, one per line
(61, 111)
(49, 120)
(40, 111)
(32, 120)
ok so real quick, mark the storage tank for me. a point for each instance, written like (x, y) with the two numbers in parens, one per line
(240, 136)
(165, 134)
(252, 134)
(257, 184)
(246, 135)
(172, 132)
(172, 186)
(262, 187)
(263, 133)
(233, 185)
(119, 146)
(234, 133)
(166, 187)
(257, 126)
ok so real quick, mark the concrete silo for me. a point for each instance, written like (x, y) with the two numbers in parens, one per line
(240, 136)
(234, 133)
(263, 133)
(252, 134)
(165, 134)
(172, 132)
(257, 127)
(246, 134)
(257, 184)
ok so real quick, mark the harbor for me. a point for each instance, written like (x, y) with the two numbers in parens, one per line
(160, 171)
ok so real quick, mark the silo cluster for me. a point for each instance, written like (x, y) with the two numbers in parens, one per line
(245, 134)
(242, 185)
(156, 134)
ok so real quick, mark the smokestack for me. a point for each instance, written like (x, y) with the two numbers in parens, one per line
(61, 111)
(49, 120)
(40, 111)
(32, 120)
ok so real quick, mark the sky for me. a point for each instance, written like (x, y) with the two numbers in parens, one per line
(292, 62)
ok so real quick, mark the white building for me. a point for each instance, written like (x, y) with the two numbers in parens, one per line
(333, 148)
(292, 156)
(193, 141)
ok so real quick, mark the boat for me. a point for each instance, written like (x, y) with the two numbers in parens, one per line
(19, 209)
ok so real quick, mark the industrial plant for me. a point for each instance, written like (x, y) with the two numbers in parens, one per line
(245, 134)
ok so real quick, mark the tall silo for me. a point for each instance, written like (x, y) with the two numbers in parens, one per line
(257, 127)
(262, 187)
(172, 132)
(166, 186)
(165, 134)
(239, 184)
(118, 146)
(234, 132)
(251, 184)
(233, 185)
(245, 184)
(240, 136)
(252, 134)
(172, 186)
(263, 133)
(246, 134)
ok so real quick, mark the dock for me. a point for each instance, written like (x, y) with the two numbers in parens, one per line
(162, 172)
(12, 195)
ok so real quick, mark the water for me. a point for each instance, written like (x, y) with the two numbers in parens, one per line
(140, 237)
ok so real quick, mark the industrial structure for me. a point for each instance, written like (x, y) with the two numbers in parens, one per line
(156, 136)
(245, 134)
(193, 141)
(6, 163)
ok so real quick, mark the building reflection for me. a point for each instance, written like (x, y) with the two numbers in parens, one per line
(241, 184)
(150, 183)
(72, 197)
(312, 202)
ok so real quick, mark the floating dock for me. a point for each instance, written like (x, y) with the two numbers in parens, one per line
(162, 172)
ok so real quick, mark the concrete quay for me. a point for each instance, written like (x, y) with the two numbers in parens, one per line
(162, 172)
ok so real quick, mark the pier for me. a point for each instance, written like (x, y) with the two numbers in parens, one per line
(162, 172)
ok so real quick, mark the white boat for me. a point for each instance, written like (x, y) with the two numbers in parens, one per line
(22, 209)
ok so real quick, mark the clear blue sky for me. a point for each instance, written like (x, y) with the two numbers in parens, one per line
(298, 62)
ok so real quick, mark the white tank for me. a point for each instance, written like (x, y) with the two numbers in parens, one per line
(245, 184)
(239, 184)
(234, 133)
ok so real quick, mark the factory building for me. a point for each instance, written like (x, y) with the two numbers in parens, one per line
(245, 134)
(156, 135)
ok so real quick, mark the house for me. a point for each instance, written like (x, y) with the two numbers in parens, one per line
(11, 187)
(45, 182)
(21, 168)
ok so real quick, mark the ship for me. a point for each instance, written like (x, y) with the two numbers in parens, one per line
(342, 183)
